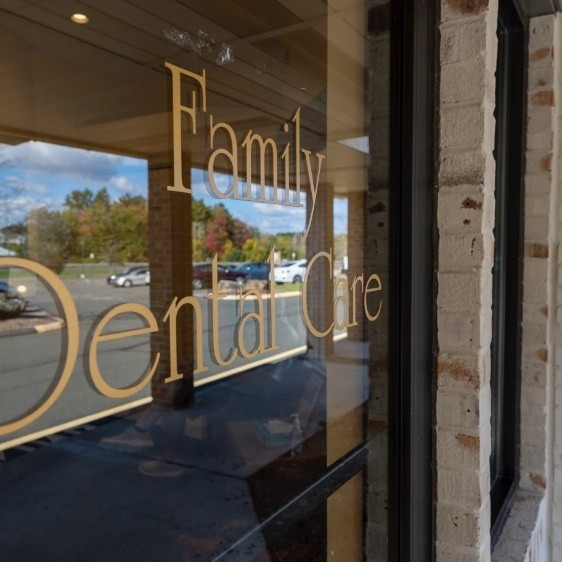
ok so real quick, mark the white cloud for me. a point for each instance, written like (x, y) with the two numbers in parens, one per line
(36, 156)
(50, 172)
(124, 184)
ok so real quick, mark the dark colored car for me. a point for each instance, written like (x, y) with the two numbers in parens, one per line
(11, 303)
(255, 270)
(202, 275)
(8, 290)
(113, 277)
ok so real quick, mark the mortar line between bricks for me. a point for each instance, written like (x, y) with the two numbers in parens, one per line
(463, 20)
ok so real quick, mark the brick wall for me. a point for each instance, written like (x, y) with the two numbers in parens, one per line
(538, 186)
(533, 528)
(170, 260)
(465, 218)
(554, 392)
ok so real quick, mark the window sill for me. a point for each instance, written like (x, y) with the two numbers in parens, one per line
(522, 537)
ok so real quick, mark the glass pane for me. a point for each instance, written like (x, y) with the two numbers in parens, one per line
(193, 280)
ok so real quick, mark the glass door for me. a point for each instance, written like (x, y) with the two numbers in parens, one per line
(194, 280)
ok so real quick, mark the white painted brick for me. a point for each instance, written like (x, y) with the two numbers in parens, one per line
(533, 314)
(460, 253)
(541, 77)
(457, 332)
(457, 411)
(465, 217)
(534, 335)
(535, 269)
(537, 206)
(460, 372)
(534, 355)
(457, 525)
(558, 357)
(558, 402)
(445, 552)
(535, 395)
(458, 292)
(541, 32)
(534, 435)
(539, 161)
(461, 126)
(535, 292)
(557, 518)
(538, 184)
(463, 82)
(535, 229)
(462, 41)
(455, 212)
(533, 375)
(557, 546)
(532, 458)
(459, 487)
(541, 56)
(451, 13)
(540, 118)
(526, 481)
(533, 415)
(465, 167)
(541, 140)
(452, 454)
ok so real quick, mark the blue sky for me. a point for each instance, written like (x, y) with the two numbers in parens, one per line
(34, 174)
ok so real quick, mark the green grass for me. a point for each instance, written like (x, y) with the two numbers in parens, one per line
(287, 287)
(75, 270)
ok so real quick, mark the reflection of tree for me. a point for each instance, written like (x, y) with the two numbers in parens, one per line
(112, 230)
(217, 232)
(48, 238)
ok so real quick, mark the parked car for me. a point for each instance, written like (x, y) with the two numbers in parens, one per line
(113, 277)
(7, 289)
(202, 275)
(254, 270)
(11, 303)
(290, 272)
(136, 277)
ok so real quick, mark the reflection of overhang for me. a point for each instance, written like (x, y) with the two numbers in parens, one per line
(104, 85)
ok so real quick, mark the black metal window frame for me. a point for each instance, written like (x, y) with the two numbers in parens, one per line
(507, 271)
(411, 287)
(412, 109)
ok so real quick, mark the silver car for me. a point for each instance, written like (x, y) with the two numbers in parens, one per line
(139, 276)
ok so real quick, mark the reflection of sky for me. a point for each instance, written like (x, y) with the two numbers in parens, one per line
(268, 218)
(35, 174)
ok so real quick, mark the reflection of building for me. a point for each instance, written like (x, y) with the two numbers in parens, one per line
(424, 378)
(7, 237)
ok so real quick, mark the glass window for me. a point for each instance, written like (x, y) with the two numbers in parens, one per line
(506, 304)
(163, 395)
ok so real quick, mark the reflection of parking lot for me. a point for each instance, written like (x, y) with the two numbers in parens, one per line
(30, 361)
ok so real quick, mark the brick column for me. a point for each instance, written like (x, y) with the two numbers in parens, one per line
(465, 216)
(170, 255)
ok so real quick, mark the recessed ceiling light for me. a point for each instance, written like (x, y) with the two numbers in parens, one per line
(80, 18)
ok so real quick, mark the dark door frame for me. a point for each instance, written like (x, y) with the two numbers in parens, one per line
(412, 280)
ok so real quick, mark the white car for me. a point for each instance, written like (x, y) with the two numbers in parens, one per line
(290, 272)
